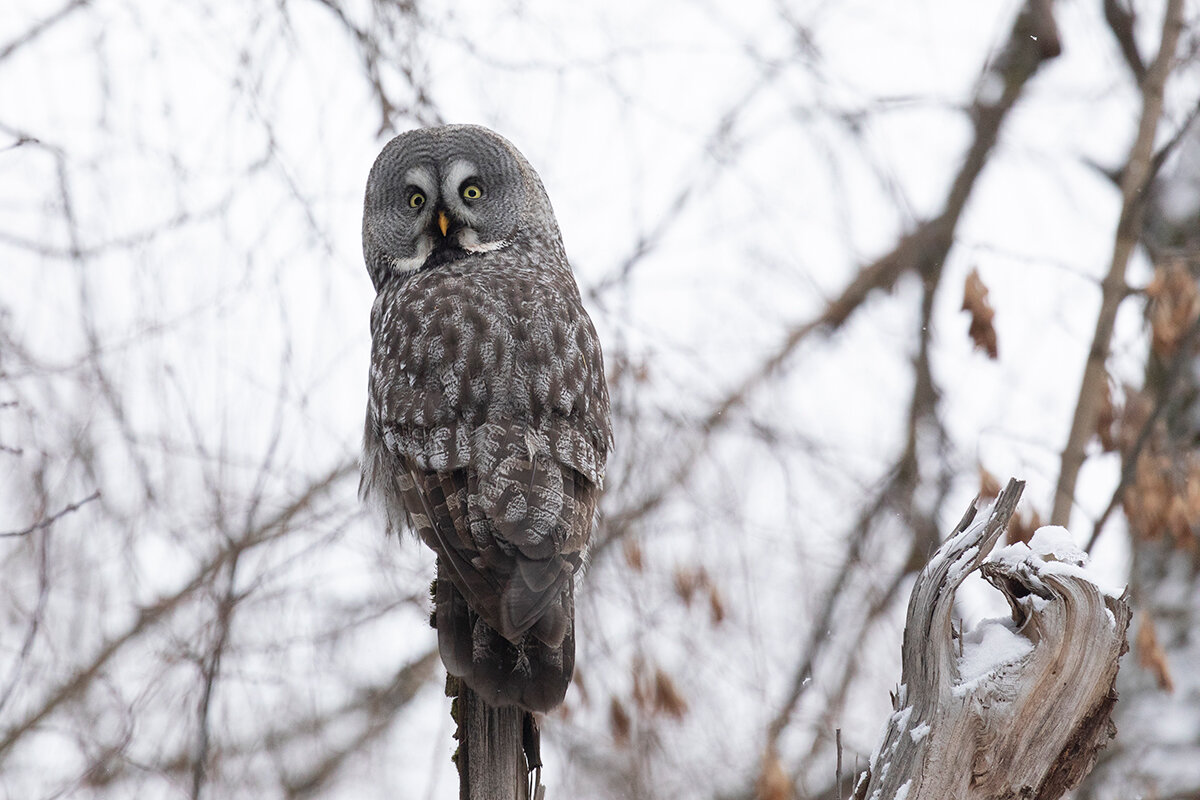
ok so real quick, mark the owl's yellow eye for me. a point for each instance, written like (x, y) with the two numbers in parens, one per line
(472, 192)
(416, 200)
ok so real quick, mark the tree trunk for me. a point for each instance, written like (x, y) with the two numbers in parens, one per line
(1029, 723)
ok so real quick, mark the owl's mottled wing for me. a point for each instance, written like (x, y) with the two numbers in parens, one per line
(504, 602)
(511, 553)
(488, 430)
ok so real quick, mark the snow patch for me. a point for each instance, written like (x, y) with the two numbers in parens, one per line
(902, 792)
(1054, 543)
(990, 646)
(1055, 549)
(920, 732)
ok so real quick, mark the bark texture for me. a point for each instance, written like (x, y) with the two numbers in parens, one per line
(491, 753)
(1029, 727)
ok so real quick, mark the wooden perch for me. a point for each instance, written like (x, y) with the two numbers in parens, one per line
(1029, 724)
(498, 748)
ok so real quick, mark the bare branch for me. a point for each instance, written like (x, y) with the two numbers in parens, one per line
(1121, 20)
(38, 29)
(1033, 40)
(380, 707)
(210, 670)
(149, 615)
(1135, 179)
(1183, 355)
(53, 518)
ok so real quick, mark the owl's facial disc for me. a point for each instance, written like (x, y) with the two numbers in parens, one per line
(419, 199)
(442, 207)
(465, 197)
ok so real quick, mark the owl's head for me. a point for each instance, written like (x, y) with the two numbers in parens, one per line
(437, 195)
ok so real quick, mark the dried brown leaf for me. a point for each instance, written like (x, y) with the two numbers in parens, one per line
(1174, 306)
(619, 723)
(975, 302)
(1148, 498)
(642, 694)
(667, 698)
(716, 606)
(1163, 499)
(1106, 420)
(633, 554)
(773, 783)
(989, 487)
(1151, 655)
(688, 580)
(1022, 526)
(1132, 417)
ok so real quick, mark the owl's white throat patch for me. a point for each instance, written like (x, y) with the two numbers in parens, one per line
(468, 240)
(415, 261)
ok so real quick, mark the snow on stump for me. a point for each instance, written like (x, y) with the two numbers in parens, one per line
(1016, 708)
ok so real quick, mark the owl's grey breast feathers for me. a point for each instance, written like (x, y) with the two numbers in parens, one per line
(487, 431)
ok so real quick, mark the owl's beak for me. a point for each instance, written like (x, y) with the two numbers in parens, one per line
(443, 222)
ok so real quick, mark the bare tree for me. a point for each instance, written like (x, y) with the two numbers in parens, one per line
(771, 231)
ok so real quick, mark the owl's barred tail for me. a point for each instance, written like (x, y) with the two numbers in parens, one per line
(529, 673)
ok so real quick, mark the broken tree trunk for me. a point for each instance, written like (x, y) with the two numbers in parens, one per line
(1021, 710)
(492, 747)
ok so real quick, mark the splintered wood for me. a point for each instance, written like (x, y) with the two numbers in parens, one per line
(1029, 722)
(491, 755)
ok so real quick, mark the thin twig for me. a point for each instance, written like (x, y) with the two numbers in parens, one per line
(924, 252)
(211, 669)
(1121, 21)
(35, 621)
(149, 615)
(838, 771)
(377, 708)
(55, 517)
(1033, 40)
(36, 30)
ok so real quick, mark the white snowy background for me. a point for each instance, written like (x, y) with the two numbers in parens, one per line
(183, 327)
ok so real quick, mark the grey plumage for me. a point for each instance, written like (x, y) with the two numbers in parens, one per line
(487, 425)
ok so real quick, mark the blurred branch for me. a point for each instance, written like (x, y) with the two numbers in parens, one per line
(1183, 356)
(380, 706)
(373, 707)
(210, 669)
(900, 495)
(896, 495)
(721, 148)
(149, 615)
(55, 517)
(1033, 40)
(1121, 20)
(35, 621)
(1135, 180)
(367, 39)
(38, 28)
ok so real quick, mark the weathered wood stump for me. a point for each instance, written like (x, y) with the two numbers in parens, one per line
(1012, 710)
(498, 748)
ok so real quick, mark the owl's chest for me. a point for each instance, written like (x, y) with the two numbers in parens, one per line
(466, 349)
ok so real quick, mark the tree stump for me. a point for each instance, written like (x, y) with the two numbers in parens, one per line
(1011, 710)
(498, 748)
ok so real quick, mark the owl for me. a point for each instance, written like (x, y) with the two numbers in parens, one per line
(487, 427)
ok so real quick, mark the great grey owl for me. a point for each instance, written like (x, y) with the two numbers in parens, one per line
(488, 416)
